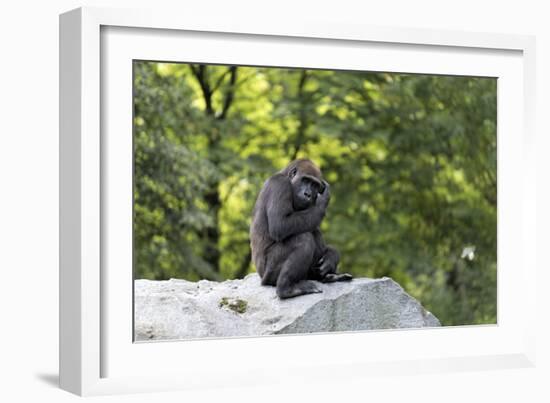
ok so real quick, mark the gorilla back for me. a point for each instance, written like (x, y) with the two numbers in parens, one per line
(287, 246)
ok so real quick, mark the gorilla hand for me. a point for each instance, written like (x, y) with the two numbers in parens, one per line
(325, 271)
(324, 196)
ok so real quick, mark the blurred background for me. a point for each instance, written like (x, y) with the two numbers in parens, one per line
(411, 160)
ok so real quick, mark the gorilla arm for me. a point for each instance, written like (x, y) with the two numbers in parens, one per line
(282, 220)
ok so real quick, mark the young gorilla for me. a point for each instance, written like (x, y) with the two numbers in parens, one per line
(287, 246)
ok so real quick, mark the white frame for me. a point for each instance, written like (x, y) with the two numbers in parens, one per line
(81, 301)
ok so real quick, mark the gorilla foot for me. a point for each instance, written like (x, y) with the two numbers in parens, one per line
(302, 288)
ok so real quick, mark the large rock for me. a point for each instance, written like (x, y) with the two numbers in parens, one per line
(180, 309)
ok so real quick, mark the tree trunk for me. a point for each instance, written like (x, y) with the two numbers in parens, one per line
(212, 235)
(212, 197)
(302, 116)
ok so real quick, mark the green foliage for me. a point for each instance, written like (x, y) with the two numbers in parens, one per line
(411, 160)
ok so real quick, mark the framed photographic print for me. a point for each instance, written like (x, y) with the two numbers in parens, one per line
(232, 190)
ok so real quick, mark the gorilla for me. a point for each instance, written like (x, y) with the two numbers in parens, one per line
(287, 246)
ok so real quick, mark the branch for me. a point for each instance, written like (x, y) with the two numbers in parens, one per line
(220, 80)
(200, 74)
(230, 93)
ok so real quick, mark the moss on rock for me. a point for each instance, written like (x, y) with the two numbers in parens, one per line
(235, 304)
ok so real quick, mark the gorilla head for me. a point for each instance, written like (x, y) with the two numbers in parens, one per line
(307, 183)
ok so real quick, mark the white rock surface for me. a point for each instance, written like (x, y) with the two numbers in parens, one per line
(180, 309)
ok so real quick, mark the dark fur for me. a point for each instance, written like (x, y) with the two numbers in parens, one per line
(287, 246)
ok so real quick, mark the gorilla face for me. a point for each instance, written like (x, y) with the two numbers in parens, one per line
(305, 191)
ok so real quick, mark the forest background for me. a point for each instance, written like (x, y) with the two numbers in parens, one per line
(411, 160)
